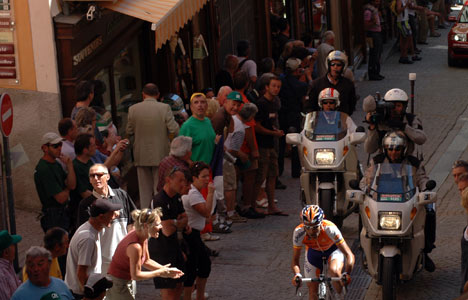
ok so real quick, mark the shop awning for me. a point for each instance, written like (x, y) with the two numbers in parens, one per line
(167, 15)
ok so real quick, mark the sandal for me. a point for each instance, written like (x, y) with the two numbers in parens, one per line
(207, 237)
(262, 203)
(221, 228)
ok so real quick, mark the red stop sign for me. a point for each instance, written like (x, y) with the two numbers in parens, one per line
(6, 114)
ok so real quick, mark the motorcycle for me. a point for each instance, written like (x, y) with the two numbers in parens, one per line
(329, 161)
(392, 210)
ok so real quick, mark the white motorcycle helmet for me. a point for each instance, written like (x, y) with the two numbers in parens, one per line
(394, 139)
(340, 56)
(329, 93)
(396, 95)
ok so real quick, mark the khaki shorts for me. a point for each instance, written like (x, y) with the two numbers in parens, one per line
(229, 176)
(267, 164)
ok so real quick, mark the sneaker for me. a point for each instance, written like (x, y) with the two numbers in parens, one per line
(207, 237)
(428, 263)
(221, 228)
(262, 203)
(235, 218)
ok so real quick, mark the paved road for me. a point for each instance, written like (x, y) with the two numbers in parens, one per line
(255, 259)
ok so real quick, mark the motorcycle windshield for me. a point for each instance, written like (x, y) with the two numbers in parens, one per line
(326, 126)
(393, 183)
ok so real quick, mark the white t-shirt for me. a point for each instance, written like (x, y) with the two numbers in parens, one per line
(194, 197)
(235, 139)
(250, 67)
(84, 250)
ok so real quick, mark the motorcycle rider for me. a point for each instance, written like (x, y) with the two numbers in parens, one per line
(329, 100)
(395, 150)
(399, 119)
(321, 237)
(337, 62)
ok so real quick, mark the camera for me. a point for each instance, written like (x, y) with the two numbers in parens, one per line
(382, 113)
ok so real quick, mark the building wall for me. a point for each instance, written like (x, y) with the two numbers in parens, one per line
(36, 104)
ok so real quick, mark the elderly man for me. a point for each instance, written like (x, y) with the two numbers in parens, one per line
(53, 185)
(40, 284)
(8, 280)
(222, 94)
(56, 241)
(84, 256)
(179, 155)
(99, 177)
(150, 122)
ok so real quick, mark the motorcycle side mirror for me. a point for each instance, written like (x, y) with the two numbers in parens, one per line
(293, 138)
(354, 184)
(360, 129)
(427, 198)
(430, 185)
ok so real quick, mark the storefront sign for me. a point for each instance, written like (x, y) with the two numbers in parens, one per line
(7, 73)
(7, 49)
(7, 61)
(5, 22)
(87, 51)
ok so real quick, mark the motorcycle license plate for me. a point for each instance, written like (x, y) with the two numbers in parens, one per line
(391, 197)
(325, 137)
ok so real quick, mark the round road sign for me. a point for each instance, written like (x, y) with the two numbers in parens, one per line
(6, 114)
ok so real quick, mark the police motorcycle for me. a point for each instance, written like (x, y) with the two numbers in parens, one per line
(392, 209)
(328, 158)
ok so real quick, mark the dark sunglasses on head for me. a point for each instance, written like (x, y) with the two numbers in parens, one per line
(55, 146)
(99, 175)
(328, 102)
(336, 64)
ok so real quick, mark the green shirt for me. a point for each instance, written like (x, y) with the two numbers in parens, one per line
(49, 179)
(82, 176)
(203, 137)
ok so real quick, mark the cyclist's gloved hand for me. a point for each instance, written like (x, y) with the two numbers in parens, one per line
(297, 279)
(346, 278)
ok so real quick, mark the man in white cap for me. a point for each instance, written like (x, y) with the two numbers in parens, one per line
(53, 184)
(84, 255)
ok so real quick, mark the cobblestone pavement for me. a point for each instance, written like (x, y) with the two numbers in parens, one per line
(255, 259)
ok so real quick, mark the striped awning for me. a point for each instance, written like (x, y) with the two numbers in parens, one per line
(167, 15)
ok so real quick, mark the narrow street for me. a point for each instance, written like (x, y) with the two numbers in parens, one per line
(254, 260)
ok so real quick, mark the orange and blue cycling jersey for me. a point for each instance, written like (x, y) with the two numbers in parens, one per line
(329, 236)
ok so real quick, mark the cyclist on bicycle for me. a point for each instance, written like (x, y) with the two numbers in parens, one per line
(321, 238)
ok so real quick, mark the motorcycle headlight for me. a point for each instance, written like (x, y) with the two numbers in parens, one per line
(389, 220)
(324, 156)
(459, 37)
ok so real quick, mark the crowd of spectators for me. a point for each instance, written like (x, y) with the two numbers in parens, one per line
(196, 177)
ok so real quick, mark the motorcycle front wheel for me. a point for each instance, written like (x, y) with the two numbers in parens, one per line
(388, 279)
(326, 202)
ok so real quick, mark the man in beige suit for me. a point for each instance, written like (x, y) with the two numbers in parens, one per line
(150, 122)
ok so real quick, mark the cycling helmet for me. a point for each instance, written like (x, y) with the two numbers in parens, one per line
(329, 93)
(312, 215)
(337, 55)
(396, 95)
(394, 139)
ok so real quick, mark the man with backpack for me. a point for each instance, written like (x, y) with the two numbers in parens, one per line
(245, 63)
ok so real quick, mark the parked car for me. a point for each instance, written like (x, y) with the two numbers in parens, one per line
(457, 38)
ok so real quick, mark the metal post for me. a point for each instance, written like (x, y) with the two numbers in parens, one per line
(9, 186)
(412, 78)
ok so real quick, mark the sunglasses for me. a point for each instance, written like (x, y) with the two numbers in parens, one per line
(336, 64)
(328, 102)
(309, 227)
(397, 148)
(99, 175)
(55, 146)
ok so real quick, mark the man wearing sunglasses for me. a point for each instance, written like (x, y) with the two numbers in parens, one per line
(53, 184)
(337, 62)
(321, 238)
(395, 145)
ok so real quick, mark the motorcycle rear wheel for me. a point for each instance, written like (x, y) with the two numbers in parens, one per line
(388, 279)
